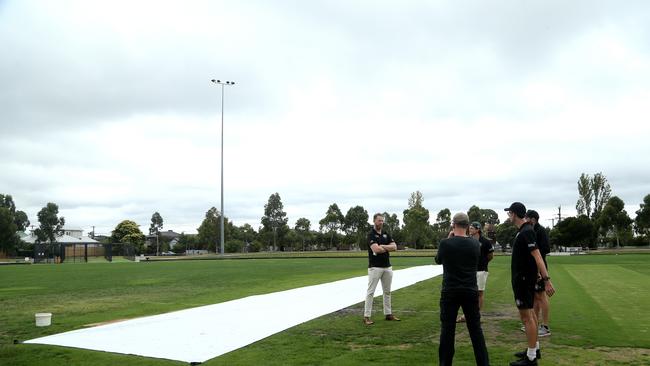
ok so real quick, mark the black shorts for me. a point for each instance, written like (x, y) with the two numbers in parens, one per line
(540, 285)
(524, 291)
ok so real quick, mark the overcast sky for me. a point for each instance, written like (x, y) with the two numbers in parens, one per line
(106, 107)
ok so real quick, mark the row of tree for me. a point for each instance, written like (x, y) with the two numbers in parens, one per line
(334, 231)
(601, 221)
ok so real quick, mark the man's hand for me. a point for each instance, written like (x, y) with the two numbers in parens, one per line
(377, 249)
(548, 286)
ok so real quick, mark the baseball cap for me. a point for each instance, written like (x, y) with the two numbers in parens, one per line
(461, 218)
(517, 208)
(532, 214)
(476, 225)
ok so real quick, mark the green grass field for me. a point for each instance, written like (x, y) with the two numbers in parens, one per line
(599, 315)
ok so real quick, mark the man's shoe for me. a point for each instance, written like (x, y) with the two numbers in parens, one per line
(392, 317)
(523, 354)
(524, 362)
(367, 321)
(543, 331)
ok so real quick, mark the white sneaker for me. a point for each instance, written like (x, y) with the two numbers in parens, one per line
(543, 331)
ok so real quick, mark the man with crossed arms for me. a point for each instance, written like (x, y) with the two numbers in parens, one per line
(380, 243)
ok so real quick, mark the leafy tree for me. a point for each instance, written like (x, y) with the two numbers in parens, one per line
(156, 224)
(333, 221)
(602, 193)
(573, 232)
(391, 224)
(11, 221)
(474, 213)
(154, 229)
(50, 223)
(506, 233)
(356, 224)
(8, 237)
(443, 219)
(416, 221)
(482, 215)
(593, 194)
(615, 219)
(441, 227)
(489, 216)
(128, 231)
(234, 246)
(274, 221)
(185, 242)
(585, 194)
(245, 233)
(7, 202)
(302, 228)
(209, 233)
(291, 240)
(642, 220)
(20, 218)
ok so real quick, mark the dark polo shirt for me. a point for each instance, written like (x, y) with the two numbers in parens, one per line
(486, 249)
(380, 259)
(459, 257)
(523, 266)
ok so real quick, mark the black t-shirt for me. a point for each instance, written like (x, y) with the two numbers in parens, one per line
(542, 240)
(379, 259)
(486, 248)
(459, 257)
(523, 266)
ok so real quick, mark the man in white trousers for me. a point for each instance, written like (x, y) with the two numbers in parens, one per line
(380, 243)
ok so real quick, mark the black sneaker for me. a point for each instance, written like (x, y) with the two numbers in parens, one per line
(524, 354)
(524, 362)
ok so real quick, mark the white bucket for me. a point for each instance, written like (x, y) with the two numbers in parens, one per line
(43, 319)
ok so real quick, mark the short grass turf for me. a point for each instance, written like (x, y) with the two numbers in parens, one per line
(599, 315)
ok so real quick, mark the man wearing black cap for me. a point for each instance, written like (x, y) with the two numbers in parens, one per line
(541, 299)
(459, 256)
(525, 265)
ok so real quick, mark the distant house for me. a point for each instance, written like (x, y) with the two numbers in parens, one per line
(63, 238)
(168, 236)
(73, 232)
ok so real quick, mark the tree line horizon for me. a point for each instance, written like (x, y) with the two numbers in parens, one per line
(601, 220)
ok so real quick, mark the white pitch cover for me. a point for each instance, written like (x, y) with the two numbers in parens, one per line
(201, 333)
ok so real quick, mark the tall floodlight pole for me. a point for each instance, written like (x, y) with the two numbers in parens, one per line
(223, 84)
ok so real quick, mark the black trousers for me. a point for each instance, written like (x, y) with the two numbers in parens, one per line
(450, 302)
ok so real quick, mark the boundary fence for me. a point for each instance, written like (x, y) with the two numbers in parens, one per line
(81, 252)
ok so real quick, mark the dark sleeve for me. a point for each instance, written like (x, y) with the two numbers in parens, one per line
(390, 238)
(542, 241)
(488, 245)
(438, 254)
(371, 239)
(531, 240)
